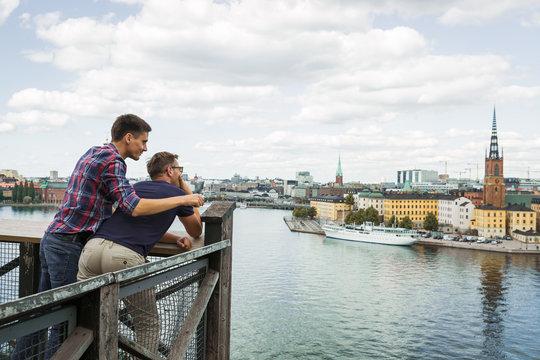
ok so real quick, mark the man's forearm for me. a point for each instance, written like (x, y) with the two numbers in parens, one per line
(155, 206)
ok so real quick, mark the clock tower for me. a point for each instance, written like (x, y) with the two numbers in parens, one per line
(494, 189)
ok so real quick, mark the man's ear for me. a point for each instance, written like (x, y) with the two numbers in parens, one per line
(128, 137)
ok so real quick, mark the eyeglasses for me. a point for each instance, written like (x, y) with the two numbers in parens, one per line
(181, 168)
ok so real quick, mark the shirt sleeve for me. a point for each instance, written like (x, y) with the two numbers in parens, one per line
(119, 188)
(184, 211)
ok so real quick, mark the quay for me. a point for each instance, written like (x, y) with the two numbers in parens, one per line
(192, 292)
(507, 246)
(303, 225)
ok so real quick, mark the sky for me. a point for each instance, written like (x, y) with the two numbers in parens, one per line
(268, 88)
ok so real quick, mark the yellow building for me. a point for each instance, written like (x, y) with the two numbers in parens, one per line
(520, 218)
(415, 206)
(489, 221)
(535, 206)
(330, 207)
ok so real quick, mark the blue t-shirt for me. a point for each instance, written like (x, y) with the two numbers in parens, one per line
(141, 233)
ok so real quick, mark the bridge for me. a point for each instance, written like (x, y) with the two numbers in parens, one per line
(184, 297)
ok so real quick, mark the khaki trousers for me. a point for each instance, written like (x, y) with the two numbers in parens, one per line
(100, 256)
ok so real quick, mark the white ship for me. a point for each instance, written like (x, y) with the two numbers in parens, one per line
(367, 232)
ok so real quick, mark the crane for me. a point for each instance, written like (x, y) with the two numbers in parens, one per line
(477, 169)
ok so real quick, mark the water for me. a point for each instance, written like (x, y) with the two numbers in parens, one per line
(299, 295)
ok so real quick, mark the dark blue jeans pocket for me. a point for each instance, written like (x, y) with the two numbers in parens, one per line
(62, 261)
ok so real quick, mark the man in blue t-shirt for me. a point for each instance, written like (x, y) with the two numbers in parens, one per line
(123, 241)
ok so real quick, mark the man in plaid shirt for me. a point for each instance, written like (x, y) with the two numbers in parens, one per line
(97, 182)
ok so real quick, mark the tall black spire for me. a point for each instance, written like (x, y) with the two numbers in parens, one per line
(494, 146)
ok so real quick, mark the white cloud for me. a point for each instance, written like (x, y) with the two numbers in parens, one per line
(6, 127)
(6, 8)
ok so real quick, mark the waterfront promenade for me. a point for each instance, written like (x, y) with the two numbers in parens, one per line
(507, 246)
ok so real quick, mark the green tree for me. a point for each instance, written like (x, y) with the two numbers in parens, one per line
(349, 199)
(373, 215)
(406, 223)
(26, 189)
(430, 222)
(32, 193)
(391, 221)
(356, 217)
(20, 193)
(14, 190)
(2, 195)
(312, 212)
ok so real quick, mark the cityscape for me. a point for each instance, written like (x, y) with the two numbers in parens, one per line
(492, 207)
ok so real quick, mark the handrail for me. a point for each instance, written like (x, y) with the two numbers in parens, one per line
(55, 296)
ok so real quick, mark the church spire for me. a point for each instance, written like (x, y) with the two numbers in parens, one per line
(494, 146)
(339, 172)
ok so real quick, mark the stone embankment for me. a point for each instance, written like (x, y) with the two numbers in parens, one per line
(506, 246)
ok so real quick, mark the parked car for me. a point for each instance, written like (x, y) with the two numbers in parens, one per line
(508, 237)
(426, 235)
(481, 240)
(470, 238)
(448, 237)
(494, 242)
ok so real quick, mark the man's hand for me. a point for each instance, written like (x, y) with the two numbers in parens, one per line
(193, 200)
(184, 243)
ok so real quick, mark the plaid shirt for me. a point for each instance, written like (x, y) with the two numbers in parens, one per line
(98, 181)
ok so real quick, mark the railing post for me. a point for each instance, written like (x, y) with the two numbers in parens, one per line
(99, 312)
(29, 268)
(218, 219)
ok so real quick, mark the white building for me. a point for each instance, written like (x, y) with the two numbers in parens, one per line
(457, 212)
(288, 187)
(367, 199)
(440, 187)
(466, 214)
(304, 178)
(417, 176)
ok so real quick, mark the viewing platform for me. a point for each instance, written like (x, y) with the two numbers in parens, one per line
(191, 292)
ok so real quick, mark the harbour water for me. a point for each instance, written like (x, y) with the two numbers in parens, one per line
(301, 296)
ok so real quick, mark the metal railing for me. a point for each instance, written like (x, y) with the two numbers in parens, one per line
(171, 308)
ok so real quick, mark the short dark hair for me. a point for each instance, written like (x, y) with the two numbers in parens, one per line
(159, 162)
(128, 123)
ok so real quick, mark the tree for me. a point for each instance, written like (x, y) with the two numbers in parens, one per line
(312, 212)
(27, 199)
(300, 212)
(391, 221)
(356, 217)
(373, 215)
(430, 222)
(2, 195)
(349, 199)
(20, 193)
(406, 223)
(14, 192)
(32, 192)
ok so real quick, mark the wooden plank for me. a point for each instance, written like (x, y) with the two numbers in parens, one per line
(219, 306)
(99, 311)
(218, 211)
(75, 345)
(22, 230)
(29, 269)
(17, 308)
(194, 316)
(135, 349)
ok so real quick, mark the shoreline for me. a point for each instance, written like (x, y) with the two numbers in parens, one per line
(507, 246)
(31, 205)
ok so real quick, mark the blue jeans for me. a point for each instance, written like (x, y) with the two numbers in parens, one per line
(59, 256)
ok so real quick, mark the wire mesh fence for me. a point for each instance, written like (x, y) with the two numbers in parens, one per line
(153, 317)
(9, 271)
(40, 344)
